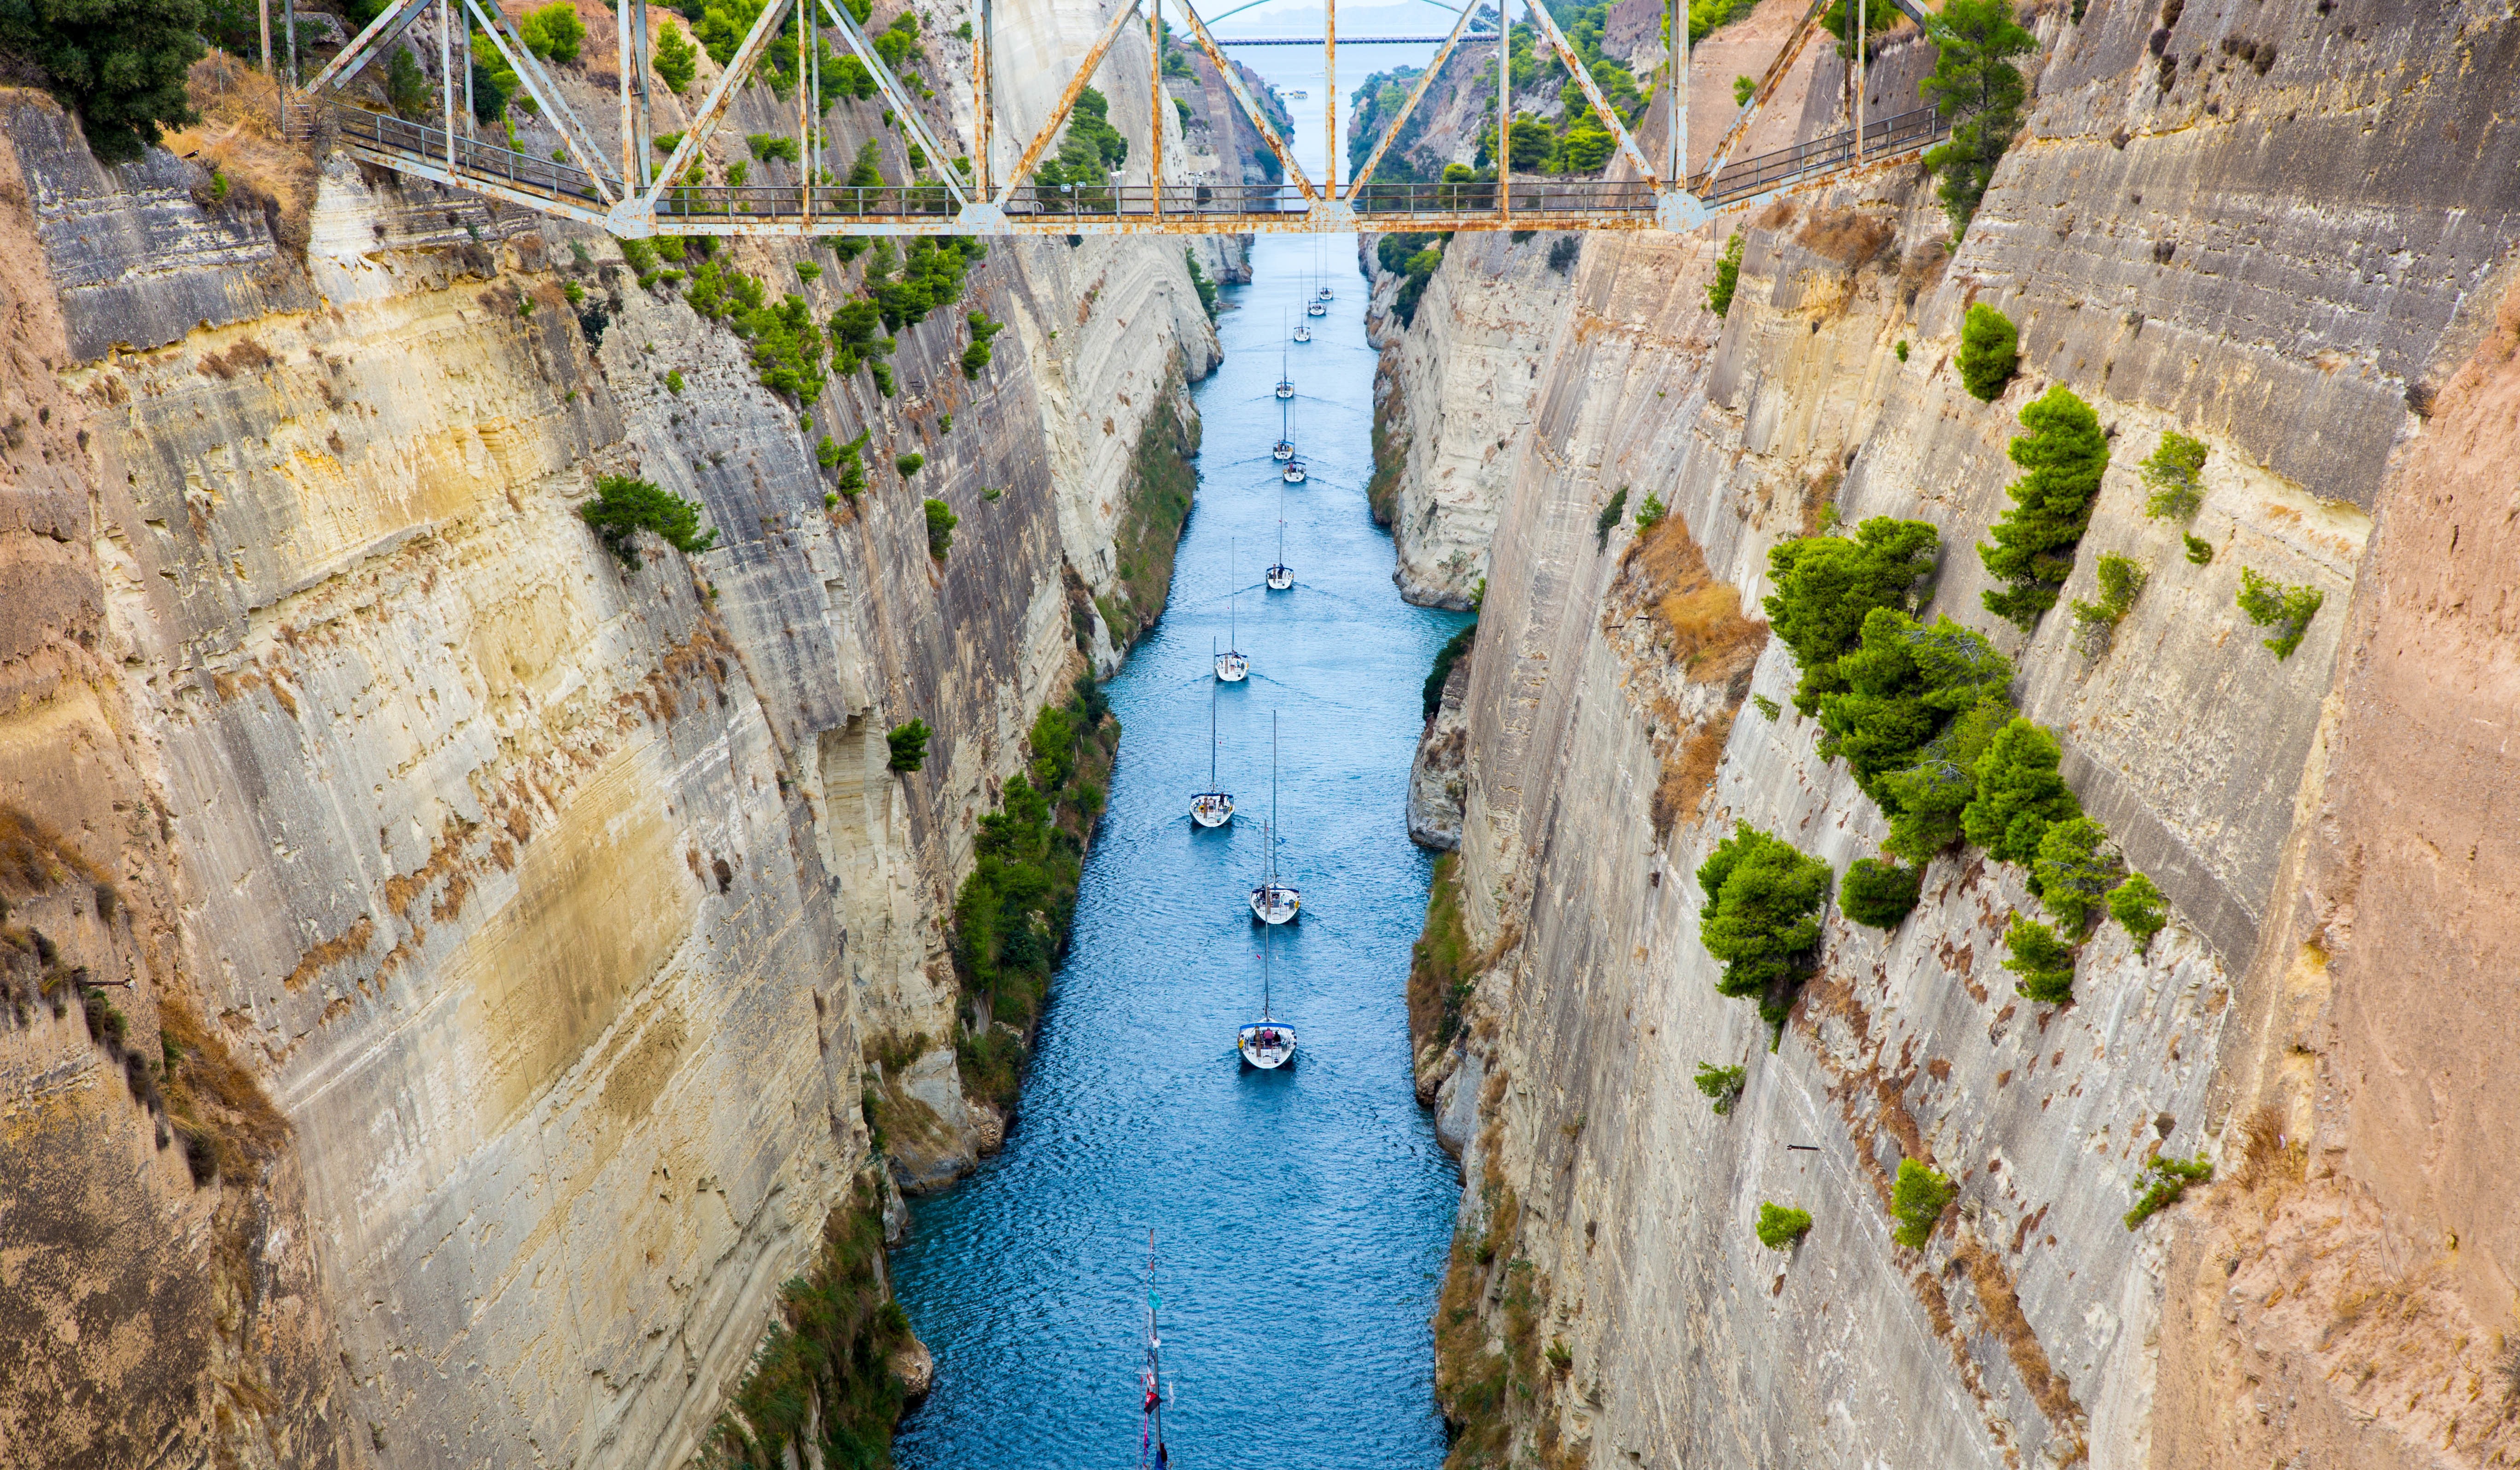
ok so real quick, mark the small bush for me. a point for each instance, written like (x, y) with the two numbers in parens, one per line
(1990, 351)
(2286, 609)
(977, 356)
(2136, 905)
(2065, 453)
(674, 381)
(676, 59)
(2122, 579)
(623, 506)
(1198, 281)
(2200, 552)
(2020, 793)
(765, 147)
(1769, 709)
(1431, 693)
(2173, 475)
(1901, 349)
(1727, 277)
(1877, 893)
(1744, 89)
(828, 453)
(407, 89)
(941, 521)
(553, 32)
(1608, 519)
(1722, 1086)
(2074, 873)
(2043, 964)
(2171, 1177)
(908, 464)
(1762, 912)
(1780, 1227)
(1917, 1200)
(908, 744)
(1651, 514)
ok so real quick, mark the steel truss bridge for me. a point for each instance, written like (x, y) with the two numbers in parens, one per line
(628, 194)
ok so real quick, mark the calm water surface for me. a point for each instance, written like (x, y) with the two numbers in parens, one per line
(1301, 1217)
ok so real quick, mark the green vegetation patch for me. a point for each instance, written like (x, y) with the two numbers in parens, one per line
(1727, 277)
(1456, 647)
(2042, 964)
(1161, 481)
(1976, 84)
(1917, 1199)
(1826, 585)
(2137, 905)
(1442, 969)
(2175, 474)
(1762, 916)
(2288, 609)
(1990, 351)
(622, 507)
(1877, 893)
(2065, 453)
(1722, 1086)
(2168, 1180)
(1780, 1227)
(2020, 793)
(2074, 873)
(908, 745)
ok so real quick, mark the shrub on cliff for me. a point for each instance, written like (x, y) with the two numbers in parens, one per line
(941, 521)
(676, 59)
(1722, 1086)
(1975, 84)
(1762, 912)
(1917, 1199)
(1608, 520)
(1877, 893)
(2074, 873)
(2175, 474)
(1431, 693)
(2121, 580)
(2137, 903)
(553, 32)
(2271, 603)
(2065, 454)
(1927, 799)
(1901, 687)
(2170, 1177)
(1727, 277)
(407, 89)
(623, 507)
(1780, 1227)
(2020, 793)
(977, 356)
(1826, 585)
(2043, 964)
(908, 745)
(118, 63)
(1990, 351)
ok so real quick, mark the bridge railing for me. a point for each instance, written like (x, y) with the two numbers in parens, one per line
(1882, 137)
(487, 161)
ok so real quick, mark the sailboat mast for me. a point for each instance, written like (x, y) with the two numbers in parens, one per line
(1151, 1440)
(1264, 972)
(1232, 601)
(1212, 735)
(1272, 798)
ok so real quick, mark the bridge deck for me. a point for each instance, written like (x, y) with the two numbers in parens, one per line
(1532, 203)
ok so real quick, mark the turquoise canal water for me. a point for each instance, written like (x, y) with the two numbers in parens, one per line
(1301, 1218)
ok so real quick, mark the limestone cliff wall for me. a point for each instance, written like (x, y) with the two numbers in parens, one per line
(550, 904)
(2205, 257)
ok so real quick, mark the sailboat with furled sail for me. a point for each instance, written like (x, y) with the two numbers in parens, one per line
(1273, 902)
(1284, 449)
(1268, 1043)
(1286, 386)
(1151, 1453)
(1211, 807)
(1232, 666)
(1281, 576)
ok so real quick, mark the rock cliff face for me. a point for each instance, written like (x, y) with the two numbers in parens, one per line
(521, 918)
(2268, 257)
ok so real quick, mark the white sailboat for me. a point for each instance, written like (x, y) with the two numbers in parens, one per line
(1273, 902)
(1281, 576)
(1268, 1043)
(1284, 449)
(1303, 331)
(1293, 473)
(1324, 294)
(1211, 807)
(1232, 666)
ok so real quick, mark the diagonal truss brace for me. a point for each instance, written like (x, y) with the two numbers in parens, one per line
(897, 95)
(1443, 52)
(713, 111)
(363, 47)
(521, 59)
(1593, 94)
(1767, 83)
(1243, 99)
(1084, 70)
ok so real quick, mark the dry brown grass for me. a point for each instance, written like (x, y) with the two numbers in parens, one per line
(228, 1124)
(1710, 640)
(1682, 792)
(2002, 1308)
(33, 857)
(2270, 1169)
(350, 942)
(239, 137)
(1849, 237)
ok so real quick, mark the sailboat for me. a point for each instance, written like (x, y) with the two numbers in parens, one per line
(1284, 449)
(1292, 473)
(1286, 384)
(1281, 576)
(1267, 1042)
(1211, 807)
(1324, 294)
(1273, 902)
(1151, 1453)
(1232, 666)
(1303, 331)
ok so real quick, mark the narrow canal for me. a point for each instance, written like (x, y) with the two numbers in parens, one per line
(1301, 1218)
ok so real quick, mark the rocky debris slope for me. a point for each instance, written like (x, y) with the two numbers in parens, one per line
(2259, 256)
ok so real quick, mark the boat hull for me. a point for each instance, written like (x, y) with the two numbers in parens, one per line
(1278, 904)
(1266, 1045)
(1282, 451)
(1295, 475)
(1233, 668)
(1211, 809)
(1285, 390)
(1281, 578)
(1316, 309)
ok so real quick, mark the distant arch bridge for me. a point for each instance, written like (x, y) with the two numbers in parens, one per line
(626, 190)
